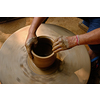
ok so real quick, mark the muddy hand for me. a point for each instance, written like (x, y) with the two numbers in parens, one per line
(61, 43)
(29, 43)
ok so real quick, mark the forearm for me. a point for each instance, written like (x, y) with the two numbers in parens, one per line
(65, 42)
(92, 37)
(35, 24)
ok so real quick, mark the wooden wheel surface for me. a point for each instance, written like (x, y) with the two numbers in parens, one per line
(71, 67)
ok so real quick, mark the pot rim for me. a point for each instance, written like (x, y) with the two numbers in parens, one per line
(52, 40)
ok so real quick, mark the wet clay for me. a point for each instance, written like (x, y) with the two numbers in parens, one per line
(43, 47)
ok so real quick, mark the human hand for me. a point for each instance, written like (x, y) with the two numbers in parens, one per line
(29, 43)
(64, 43)
(61, 43)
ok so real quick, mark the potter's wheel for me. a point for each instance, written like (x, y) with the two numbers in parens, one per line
(71, 66)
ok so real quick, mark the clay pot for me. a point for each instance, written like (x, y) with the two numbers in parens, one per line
(43, 56)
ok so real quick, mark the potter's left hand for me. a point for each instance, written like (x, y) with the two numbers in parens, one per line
(64, 43)
(29, 43)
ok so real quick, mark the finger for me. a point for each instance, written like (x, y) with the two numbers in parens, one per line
(57, 46)
(28, 42)
(31, 41)
(35, 40)
(57, 50)
(30, 55)
(56, 39)
(29, 52)
(55, 43)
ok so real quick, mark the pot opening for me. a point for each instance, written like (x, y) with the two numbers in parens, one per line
(43, 48)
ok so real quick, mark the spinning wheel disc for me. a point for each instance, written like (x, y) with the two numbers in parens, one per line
(72, 66)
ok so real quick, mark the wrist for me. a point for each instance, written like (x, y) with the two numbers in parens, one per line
(73, 41)
(77, 39)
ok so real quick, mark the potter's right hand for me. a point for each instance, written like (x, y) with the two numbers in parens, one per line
(64, 43)
(29, 43)
(61, 43)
